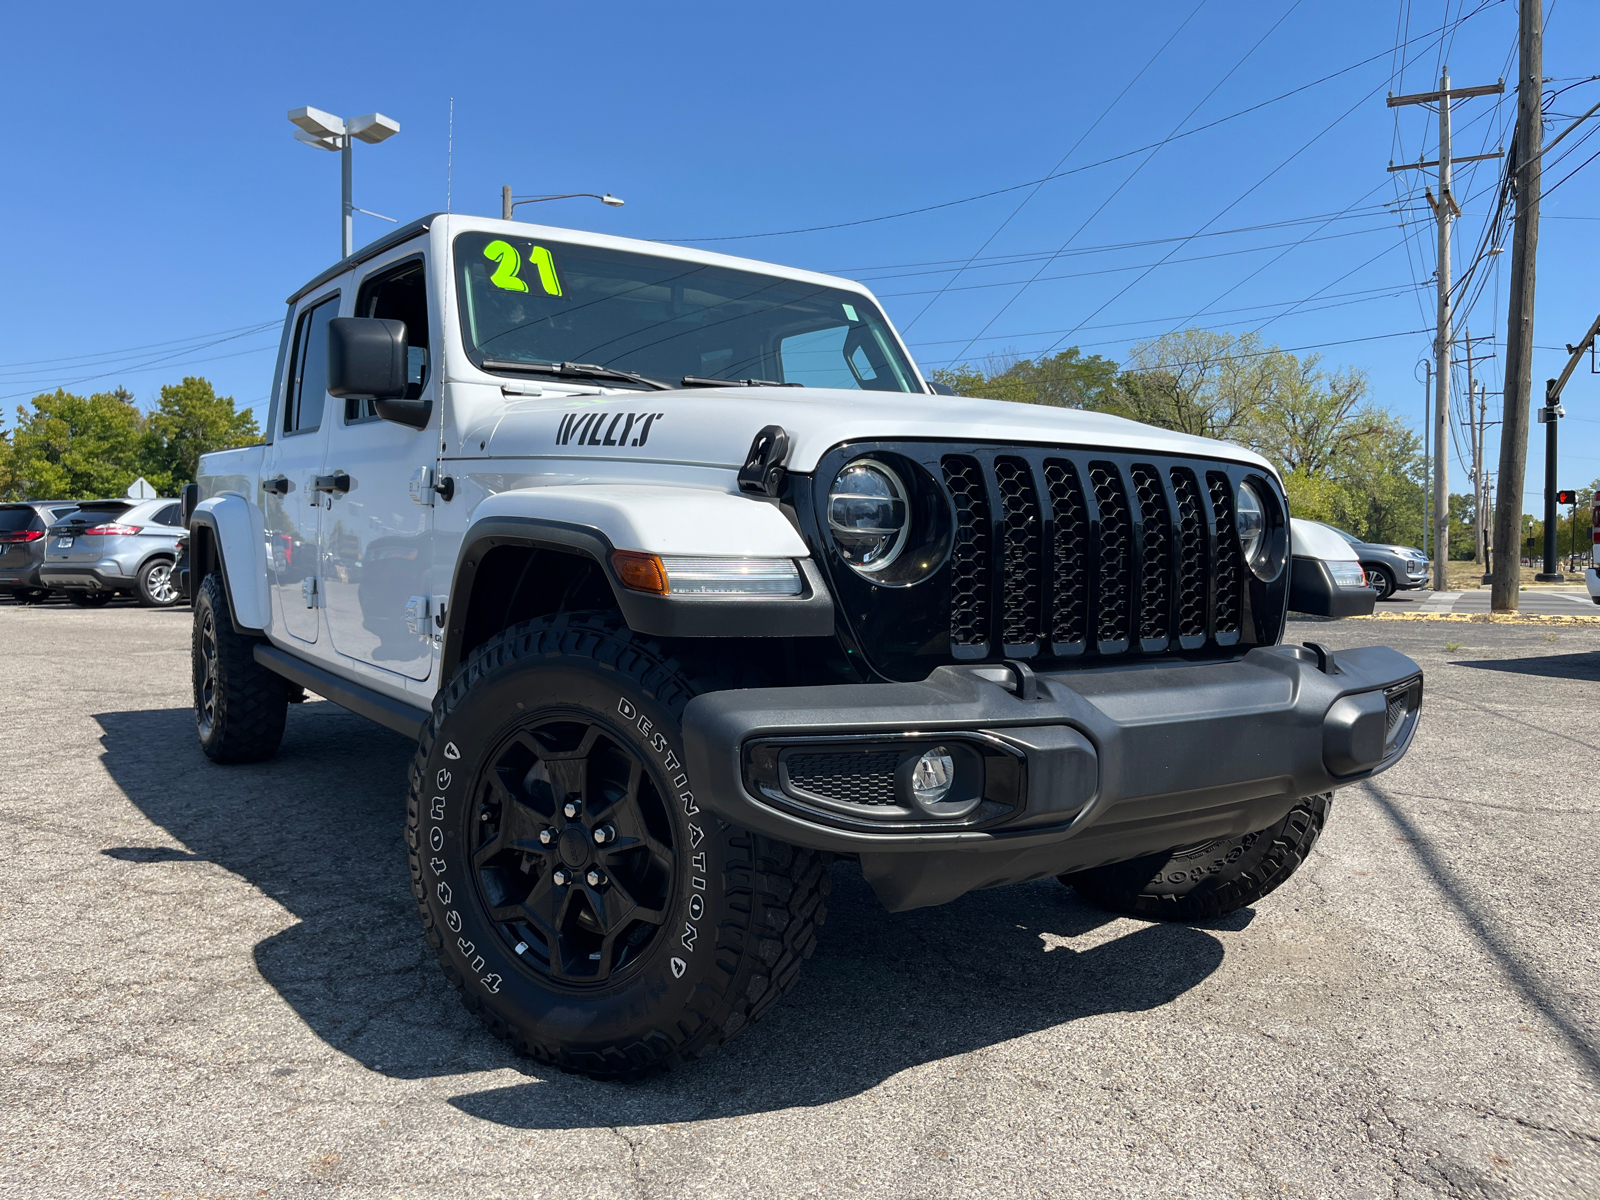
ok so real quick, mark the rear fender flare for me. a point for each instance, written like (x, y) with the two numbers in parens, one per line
(226, 535)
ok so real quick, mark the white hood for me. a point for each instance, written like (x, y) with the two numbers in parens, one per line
(714, 427)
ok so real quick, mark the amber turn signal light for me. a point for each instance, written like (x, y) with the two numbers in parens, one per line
(640, 572)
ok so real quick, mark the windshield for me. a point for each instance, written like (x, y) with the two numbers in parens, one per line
(527, 301)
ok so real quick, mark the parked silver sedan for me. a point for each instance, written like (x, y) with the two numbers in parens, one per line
(111, 546)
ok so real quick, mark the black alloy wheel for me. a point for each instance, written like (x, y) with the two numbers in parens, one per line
(589, 907)
(574, 859)
(205, 673)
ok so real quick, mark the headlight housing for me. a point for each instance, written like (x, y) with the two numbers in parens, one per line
(868, 515)
(1258, 521)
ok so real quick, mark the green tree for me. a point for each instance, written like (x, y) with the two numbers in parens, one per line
(1064, 380)
(190, 420)
(70, 447)
(1198, 381)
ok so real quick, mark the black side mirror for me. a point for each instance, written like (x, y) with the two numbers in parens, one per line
(367, 359)
(190, 498)
(940, 389)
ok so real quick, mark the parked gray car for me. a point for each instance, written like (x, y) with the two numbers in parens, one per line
(111, 546)
(22, 543)
(1389, 568)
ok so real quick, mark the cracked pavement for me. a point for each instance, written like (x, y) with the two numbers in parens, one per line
(212, 983)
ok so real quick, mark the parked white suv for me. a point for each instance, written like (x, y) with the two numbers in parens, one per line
(686, 583)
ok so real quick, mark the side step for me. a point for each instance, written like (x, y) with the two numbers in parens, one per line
(363, 701)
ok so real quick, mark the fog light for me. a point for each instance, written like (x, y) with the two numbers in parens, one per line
(932, 776)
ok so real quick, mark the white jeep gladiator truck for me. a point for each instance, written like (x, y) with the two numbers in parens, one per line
(687, 583)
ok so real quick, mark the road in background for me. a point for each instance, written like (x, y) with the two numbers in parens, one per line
(212, 982)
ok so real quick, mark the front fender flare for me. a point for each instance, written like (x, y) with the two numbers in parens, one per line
(594, 521)
(235, 535)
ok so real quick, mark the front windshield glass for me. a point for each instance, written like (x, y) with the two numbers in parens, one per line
(538, 301)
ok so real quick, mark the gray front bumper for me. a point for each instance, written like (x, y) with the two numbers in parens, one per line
(1114, 763)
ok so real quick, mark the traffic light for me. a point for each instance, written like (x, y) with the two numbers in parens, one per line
(1566, 497)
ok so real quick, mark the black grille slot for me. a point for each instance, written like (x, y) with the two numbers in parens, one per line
(1230, 570)
(969, 556)
(859, 778)
(1019, 553)
(1116, 551)
(1069, 551)
(1191, 555)
(1155, 596)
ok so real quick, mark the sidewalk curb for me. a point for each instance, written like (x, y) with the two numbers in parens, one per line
(1486, 618)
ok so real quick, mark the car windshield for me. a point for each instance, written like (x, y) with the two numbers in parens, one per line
(539, 301)
(1349, 537)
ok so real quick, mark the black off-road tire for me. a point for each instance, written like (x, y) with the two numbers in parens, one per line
(30, 595)
(239, 706)
(739, 913)
(87, 599)
(155, 587)
(1382, 581)
(1211, 879)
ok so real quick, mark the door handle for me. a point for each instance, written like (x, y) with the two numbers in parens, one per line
(278, 484)
(336, 484)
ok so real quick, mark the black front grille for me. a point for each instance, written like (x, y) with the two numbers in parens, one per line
(1064, 555)
(1134, 554)
(859, 778)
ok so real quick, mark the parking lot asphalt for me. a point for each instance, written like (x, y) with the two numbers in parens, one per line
(212, 982)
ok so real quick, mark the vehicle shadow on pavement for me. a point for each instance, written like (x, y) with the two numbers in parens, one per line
(318, 830)
(1548, 666)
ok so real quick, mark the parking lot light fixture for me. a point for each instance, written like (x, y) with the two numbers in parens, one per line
(509, 205)
(328, 132)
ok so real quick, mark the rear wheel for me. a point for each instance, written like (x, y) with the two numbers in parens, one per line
(1208, 879)
(590, 912)
(156, 587)
(86, 599)
(239, 706)
(30, 595)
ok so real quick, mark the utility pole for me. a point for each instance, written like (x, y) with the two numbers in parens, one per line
(1427, 460)
(1523, 177)
(1445, 209)
(1475, 449)
(1548, 416)
(1482, 423)
(505, 202)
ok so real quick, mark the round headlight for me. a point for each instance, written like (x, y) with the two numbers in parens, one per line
(867, 515)
(1250, 519)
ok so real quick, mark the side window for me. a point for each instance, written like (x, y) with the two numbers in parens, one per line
(308, 385)
(397, 294)
(172, 514)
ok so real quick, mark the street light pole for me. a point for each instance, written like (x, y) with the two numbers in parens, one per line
(508, 205)
(328, 132)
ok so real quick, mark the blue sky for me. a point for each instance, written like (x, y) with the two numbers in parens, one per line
(156, 195)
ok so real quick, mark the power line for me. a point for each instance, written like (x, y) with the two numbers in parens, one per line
(1162, 49)
(1141, 166)
(1017, 187)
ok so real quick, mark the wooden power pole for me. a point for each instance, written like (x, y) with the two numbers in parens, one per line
(1524, 178)
(1445, 209)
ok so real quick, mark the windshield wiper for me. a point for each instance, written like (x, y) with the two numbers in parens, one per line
(694, 381)
(567, 370)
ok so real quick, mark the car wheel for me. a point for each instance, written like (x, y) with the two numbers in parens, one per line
(30, 595)
(156, 587)
(239, 706)
(85, 599)
(587, 909)
(1208, 879)
(1382, 581)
